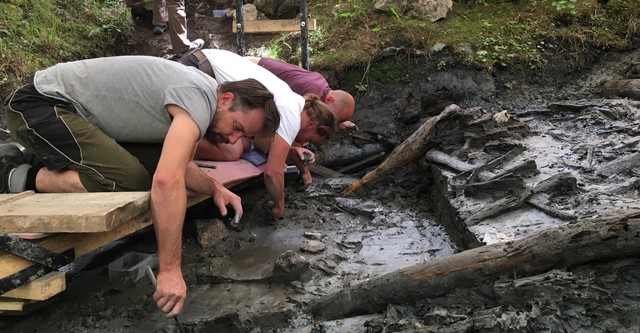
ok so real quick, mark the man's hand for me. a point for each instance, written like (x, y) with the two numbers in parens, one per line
(304, 155)
(346, 125)
(223, 197)
(171, 292)
(305, 177)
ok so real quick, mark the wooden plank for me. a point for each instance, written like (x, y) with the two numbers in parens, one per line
(267, 26)
(83, 243)
(6, 198)
(71, 212)
(41, 289)
(13, 305)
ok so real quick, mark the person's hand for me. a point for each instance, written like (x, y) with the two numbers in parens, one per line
(224, 197)
(306, 179)
(346, 125)
(305, 155)
(275, 212)
(171, 292)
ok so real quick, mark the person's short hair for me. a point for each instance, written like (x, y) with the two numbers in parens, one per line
(250, 94)
(344, 105)
(320, 113)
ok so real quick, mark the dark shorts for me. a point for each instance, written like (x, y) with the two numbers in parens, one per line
(62, 139)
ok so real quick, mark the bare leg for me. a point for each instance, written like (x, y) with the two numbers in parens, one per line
(67, 181)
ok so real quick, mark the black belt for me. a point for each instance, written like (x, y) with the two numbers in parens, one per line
(197, 59)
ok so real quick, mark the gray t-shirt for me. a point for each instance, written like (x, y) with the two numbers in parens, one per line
(126, 96)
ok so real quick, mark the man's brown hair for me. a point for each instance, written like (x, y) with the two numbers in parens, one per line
(251, 94)
(320, 113)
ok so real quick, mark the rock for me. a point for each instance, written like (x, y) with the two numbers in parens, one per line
(290, 267)
(211, 232)
(249, 13)
(313, 235)
(433, 10)
(278, 9)
(313, 246)
(629, 88)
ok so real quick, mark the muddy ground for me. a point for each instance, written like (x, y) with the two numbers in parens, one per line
(262, 277)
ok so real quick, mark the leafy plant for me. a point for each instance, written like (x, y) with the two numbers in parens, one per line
(395, 13)
(561, 5)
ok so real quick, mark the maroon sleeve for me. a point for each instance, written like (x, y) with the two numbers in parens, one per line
(299, 79)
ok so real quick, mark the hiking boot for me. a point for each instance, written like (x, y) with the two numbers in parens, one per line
(196, 44)
(159, 29)
(10, 158)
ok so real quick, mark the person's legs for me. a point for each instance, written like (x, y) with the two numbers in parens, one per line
(178, 25)
(77, 155)
(178, 28)
(159, 16)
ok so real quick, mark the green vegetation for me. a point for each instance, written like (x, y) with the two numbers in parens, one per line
(499, 32)
(38, 33)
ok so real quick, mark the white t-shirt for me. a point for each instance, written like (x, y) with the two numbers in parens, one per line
(229, 66)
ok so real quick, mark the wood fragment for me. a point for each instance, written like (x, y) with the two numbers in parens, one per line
(550, 249)
(408, 151)
(498, 207)
(619, 165)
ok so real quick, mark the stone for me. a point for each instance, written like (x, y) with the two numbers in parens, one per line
(433, 10)
(211, 232)
(279, 9)
(313, 246)
(290, 267)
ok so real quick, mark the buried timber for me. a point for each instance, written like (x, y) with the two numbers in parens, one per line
(465, 217)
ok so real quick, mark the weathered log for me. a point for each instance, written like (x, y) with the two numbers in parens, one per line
(568, 245)
(539, 202)
(507, 184)
(408, 151)
(525, 168)
(619, 165)
(560, 183)
(498, 207)
(629, 88)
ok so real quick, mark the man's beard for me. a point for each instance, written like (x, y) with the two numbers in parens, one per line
(212, 136)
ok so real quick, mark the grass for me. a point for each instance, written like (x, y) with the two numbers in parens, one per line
(35, 34)
(38, 33)
(499, 33)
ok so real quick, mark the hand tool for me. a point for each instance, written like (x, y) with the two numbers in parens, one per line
(236, 221)
(152, 277)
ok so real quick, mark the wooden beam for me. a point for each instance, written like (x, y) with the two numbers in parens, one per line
(11, 305)
(86, 242)
(269, 26)
(40, 289)
(71, 212)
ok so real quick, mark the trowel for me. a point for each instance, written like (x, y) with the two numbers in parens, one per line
(152, 277)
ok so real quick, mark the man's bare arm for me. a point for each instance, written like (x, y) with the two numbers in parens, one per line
(168, 206)
(274, 174)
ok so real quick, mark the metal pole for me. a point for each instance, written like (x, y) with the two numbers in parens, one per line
(304, 34)
(240, 28)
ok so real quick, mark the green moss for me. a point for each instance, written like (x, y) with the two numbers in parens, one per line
(39, 33)
(498, 33)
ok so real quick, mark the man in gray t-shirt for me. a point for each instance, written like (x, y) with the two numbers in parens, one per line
(109, 124)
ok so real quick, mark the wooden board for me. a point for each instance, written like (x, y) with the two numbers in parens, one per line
(265, 26)
(11, 305)
(83, 243)
(41, 289)
(229, 172)
(71, 212)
